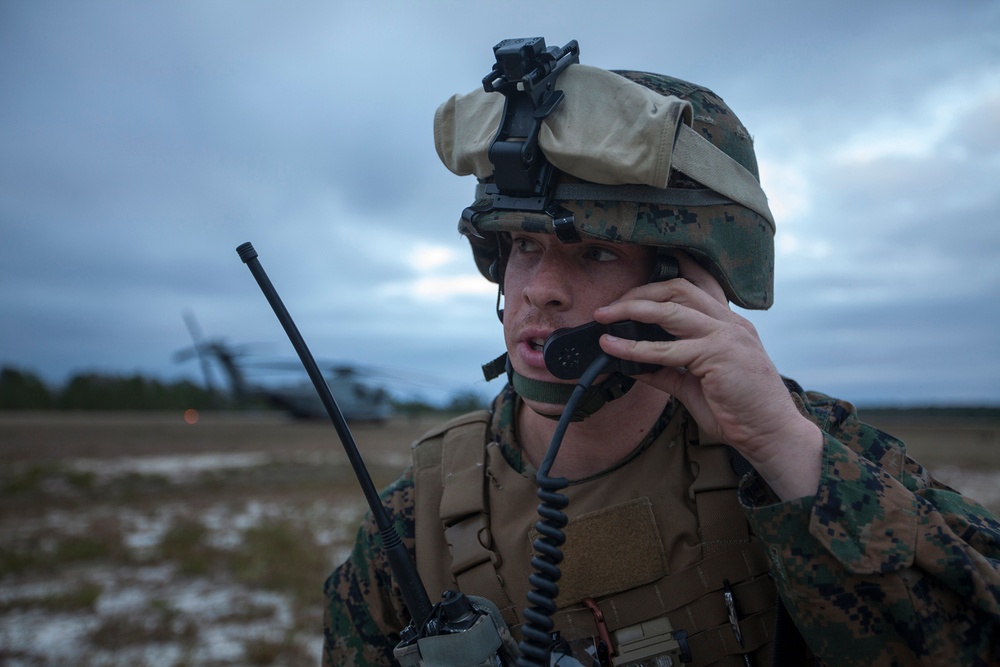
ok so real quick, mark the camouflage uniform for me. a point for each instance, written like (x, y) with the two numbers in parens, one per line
(883, 566)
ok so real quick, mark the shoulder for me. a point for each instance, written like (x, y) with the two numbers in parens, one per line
(475, 417)
(427, 448)
(829, 413)
(839, 420)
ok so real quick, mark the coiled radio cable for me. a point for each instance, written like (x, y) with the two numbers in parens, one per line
(536, 647)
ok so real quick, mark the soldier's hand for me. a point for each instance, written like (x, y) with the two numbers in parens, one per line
(719, 369)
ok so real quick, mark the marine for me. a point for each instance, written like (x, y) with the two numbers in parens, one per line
(716, 512)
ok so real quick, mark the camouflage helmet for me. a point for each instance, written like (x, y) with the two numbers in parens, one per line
(732, 235)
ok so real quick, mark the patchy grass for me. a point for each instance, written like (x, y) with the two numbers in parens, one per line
(56, 485)
(283, 651)
(97, 538)
(47, 479)
(81, 598)
(14, 561)
(247, 611)
(186, 544)
(281, 556)
(160, 624)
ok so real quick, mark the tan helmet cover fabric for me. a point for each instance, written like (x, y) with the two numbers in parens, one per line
(607, 130)
(464, 127)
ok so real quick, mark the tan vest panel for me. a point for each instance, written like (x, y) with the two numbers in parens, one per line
(655, 537)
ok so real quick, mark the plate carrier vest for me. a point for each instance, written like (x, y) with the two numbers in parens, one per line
(661, 535)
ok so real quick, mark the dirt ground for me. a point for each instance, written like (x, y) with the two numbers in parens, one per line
(48, 436)
(142, 539)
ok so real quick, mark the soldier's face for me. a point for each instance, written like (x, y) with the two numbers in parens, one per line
(549, 285)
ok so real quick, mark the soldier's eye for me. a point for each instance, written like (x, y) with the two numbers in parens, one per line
(601, 254)
(525, 244)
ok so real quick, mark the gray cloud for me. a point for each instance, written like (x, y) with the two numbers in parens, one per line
(141, 143)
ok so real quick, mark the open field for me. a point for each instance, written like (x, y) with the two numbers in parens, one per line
(140, 539)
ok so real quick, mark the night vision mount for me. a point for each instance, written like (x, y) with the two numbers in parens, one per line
(525, 74)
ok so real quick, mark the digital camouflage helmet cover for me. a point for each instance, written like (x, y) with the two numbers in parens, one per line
(633, 157)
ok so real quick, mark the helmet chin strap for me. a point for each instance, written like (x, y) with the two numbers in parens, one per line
(558, 393)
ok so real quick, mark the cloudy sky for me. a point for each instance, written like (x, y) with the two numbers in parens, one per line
(141, 142)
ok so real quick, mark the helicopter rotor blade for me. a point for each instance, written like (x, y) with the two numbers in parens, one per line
(195, 332)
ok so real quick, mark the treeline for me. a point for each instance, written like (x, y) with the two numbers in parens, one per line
(459, 403)
(23, 390)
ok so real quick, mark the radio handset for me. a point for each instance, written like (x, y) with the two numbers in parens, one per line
(568, 352)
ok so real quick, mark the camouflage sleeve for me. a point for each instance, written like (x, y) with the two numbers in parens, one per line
(364, 610)
(884, 565)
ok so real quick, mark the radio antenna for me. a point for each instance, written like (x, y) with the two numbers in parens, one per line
(402, 566)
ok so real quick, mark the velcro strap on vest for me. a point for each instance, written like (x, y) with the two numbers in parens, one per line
(721, 522)
(713, 645)
(463, 474)
(463, 503)
(465, 517)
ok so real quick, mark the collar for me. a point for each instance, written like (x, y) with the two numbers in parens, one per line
(558, 393)
(503, 432)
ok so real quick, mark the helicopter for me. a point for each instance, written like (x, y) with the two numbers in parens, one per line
(359, 401)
